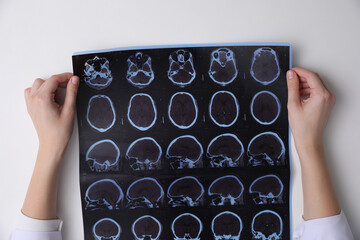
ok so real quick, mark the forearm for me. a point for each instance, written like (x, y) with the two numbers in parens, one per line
(41, 197)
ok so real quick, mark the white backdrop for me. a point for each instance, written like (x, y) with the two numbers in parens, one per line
(38, 37)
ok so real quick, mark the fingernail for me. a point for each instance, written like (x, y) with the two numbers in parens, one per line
(75, 80)
(290, 74)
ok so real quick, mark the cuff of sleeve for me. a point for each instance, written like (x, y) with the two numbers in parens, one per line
(36, 225)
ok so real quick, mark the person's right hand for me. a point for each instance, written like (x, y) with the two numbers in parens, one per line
(309, 105)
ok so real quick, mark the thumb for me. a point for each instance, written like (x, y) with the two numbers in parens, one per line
(70, 97)
(293, 89)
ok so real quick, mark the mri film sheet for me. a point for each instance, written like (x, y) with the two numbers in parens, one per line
(184, 142)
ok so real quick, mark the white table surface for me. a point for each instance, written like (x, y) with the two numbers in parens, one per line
(38, 37)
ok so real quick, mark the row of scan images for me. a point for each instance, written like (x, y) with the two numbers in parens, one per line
(184, 152)
(266, 224)
(264, 69)
(186, 191)
(182, 110)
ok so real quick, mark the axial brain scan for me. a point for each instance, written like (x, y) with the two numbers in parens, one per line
(103, 156)
(222, 66)
(183, 110)
(106, 228)
(185, 191)
(142, 111)
(100, 113)
(181, 70)
(97, 74)
(145, 193)
(267, 189)
(265, 66)
(226, 225)
(139, 73)
(186, 226)
(226, 190)
(146, 228)
(224, 108)
(265, 107)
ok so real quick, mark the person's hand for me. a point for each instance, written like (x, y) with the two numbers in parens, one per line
(309, 105)
(53, 122)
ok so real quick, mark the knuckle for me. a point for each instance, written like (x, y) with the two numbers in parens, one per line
(326, 95)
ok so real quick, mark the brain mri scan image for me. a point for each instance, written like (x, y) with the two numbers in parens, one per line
(97, 74)
(266, 149)
(186, 191)
(224, 108)
(265, 67)
(183, 110)
(100, 113)
(106, 228)
(222, 66)
(103, 194)
(103, 156)
(185, 152)
(226, 190)
(265, 107)
(226, 225)
(144, 154)
(186, 226)
(225, 150)
(145, 193)
(139, 73)
(267, 225)
(142, 111)
(267, 189)
(181, 71)
(146, 228)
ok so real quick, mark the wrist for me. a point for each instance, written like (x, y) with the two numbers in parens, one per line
(309, 148)
(50, 153)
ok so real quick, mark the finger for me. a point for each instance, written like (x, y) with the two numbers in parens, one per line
(293, 88)
(27, 93)
(54, 82)
(70, 97)
(36, 85)
(311, 78)
(305, 92)
(304, 85)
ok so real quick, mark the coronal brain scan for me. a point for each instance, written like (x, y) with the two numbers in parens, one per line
(100, 113)
(103, 156)
(146, 228)
(186, 191)
(185, 152)
(145, 193)
(266, 149)
(181, 70)
(144, 154)
(267, 189)
(106, 228)
(183, 110)
(265, 107)
(142, 111)
(224, 108)
(265, 67)
(186, 226)
(226, 190)
(139, 73)
(104, 194)
(97, 74)
(226, 225)
(267, 225)
(223, 66)
(225, 150)
(185, 142)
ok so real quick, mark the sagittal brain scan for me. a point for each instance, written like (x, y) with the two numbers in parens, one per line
(267, 189)
(226, 190)
(104, 194)
(186, 226)
(106, 228)
(267, 224)
(181, 70)
(266, 149)
(103, 156)
(186, 142)
(265, 67)
(186, 191)
(226, 225)
(265, 107)
(146, 228)
(225, 150)
(223, 66)
(139, 73)
(142, 111)
(185, 152)
(97, 74)
(183, 110)
(224, 108)
(145, 193)
(100, 113)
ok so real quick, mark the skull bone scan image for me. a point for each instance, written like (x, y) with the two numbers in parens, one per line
(184, 142)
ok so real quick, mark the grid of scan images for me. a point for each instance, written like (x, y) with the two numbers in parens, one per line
(184, 142)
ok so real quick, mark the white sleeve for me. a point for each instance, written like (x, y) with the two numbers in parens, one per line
(35, 229)
(327, 228)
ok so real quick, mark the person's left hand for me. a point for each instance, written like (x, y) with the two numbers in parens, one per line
(53, 122)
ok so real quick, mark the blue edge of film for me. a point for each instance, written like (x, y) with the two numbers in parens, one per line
(215, 45)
